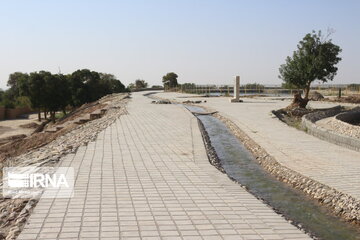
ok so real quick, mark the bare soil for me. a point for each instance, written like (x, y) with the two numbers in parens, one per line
(348, 99)
(17, 147)
(292, 117)
(18, 126)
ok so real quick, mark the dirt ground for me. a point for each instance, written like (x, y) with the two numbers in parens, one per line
(20, 146)
(13, 127)
(345, 99)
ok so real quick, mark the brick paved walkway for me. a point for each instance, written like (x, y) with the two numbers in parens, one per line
(147, 177)
(330, 164)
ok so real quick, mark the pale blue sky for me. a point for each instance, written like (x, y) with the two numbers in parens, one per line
(203, 41)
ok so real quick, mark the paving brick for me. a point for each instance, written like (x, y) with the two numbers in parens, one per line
(147, 175)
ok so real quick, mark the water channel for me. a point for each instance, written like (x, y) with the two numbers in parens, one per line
(239, 164)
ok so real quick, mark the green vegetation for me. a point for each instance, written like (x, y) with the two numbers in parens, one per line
(139, 84)
(287, 85)
(353, 87)
(50, 93)
(170, 80)
(254, 87)
(185, 86)
(315, 59)
(156, 86)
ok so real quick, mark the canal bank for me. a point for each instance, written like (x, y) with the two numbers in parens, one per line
(230, 156)
(292, 154)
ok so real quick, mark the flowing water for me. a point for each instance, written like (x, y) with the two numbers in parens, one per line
(240, 165)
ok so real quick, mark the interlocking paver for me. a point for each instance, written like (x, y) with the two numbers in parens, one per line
(330, 164)
(147, 176)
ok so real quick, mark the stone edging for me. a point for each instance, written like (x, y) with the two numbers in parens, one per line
(210, 151)
(308, 122)
(340, 204)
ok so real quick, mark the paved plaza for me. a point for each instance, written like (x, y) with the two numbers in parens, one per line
(147, 176)
(330, 164)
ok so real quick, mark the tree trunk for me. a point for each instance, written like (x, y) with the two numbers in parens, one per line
(52, 114)
(298, 101)
(307, 91)
(39, 115)
(45, 114)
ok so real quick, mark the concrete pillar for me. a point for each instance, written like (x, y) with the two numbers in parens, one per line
(236, 90)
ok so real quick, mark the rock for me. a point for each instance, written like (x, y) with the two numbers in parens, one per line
(12, 216)
(4, 214)
(161, 102)
(315, 96)
(193, 102)
(21, 220)
(30, 125)
(14, 231)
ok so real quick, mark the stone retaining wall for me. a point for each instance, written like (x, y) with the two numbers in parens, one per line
(308, 122)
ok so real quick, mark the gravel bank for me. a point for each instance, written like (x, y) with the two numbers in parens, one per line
(15, 212)
(342, 205)
(340, 127)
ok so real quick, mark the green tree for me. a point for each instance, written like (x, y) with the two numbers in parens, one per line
(131, 86)
(23, 101)
(57, 94)
(78, 86)
(139, 84)
(315, 59)
(18, 82)
(156, 86)
(188, 86)
(170, 80)
(110, 84)
(36, 86)
(1, 95)
(64, 93)
(287, 85)
(117, 86)
(353, 87)
(254, 86)
(7, 99)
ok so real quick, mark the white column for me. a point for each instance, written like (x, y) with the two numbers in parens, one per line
(236, 90)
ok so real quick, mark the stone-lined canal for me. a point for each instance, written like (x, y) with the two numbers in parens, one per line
(241, 166)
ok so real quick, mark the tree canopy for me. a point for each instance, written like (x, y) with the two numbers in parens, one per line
(53, 92)
(315, 59)
(170, 80)
(139, 83)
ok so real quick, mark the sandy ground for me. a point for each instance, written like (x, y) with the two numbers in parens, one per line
(12, 127)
